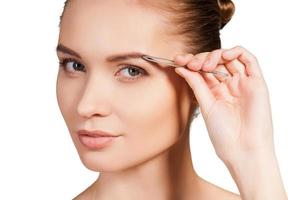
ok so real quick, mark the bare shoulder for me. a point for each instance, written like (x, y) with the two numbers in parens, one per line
(85, 195)
(208, 191)
(82, 196)
(213, 191)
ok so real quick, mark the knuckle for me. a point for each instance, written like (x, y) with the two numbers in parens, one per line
(202, 55)
(177, 57)
(193, 62)
(179, 60)
(239, 47)
(217, 54)
(217, 51)
(190, 55)
(251, 57)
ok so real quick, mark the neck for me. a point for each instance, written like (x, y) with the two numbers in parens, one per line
(169, 175)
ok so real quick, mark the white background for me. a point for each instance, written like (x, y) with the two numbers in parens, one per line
(37, 157)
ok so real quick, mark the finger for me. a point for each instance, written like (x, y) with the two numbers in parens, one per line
(201, 91)
(222, 92)
(211, 80)
(248, 59)
(222, 68)
(213, 59)
(230, 68)
(216, 58)
(220, 88)
(196, 63)
(182, 60)
(215, 78)
(235, 66)
(233, 85)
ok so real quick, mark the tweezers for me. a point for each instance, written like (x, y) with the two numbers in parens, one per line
(172, 63)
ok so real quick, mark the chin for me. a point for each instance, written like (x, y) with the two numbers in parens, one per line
(97, 163)
(117, 158)
(107, 162)
(104, 162)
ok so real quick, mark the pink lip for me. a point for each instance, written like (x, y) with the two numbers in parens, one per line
(96, 139)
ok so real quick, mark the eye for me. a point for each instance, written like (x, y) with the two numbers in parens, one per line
(131, 72)
(71, 65)
(128, 73)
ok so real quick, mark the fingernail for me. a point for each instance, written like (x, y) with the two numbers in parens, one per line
(179, 71)
(178, 58)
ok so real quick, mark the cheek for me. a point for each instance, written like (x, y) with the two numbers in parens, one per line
(66, 93)
(147, 110)
(153, 108)
(151, 118)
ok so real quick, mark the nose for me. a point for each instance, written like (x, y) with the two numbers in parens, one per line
(95, 99)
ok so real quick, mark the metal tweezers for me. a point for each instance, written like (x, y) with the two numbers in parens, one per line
(172, 63)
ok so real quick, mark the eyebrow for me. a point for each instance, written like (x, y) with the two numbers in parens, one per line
(113, 58)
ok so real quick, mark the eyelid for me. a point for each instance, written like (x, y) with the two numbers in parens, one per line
(126, 65)
(143, 72)
(64, 61)
(70, 59)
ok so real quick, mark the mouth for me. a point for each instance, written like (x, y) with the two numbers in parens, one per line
(96, 139)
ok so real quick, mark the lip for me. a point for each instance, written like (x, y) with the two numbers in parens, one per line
(96, 133)
(96, 139)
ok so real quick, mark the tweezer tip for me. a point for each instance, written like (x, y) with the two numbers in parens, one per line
(146, 57)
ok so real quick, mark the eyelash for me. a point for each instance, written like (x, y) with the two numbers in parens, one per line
(64, 62)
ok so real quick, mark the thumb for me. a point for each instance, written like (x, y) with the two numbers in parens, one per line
(200, 88)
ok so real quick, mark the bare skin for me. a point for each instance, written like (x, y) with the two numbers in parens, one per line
(238, 118)
(175, 168)
(151, 159)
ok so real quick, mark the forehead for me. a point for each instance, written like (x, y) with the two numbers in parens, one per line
(116, 25)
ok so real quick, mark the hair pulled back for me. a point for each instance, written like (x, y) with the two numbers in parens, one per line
(198, 22)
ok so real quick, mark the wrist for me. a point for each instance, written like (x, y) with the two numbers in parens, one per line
(257, 175)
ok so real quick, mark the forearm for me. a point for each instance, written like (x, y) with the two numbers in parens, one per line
(258, 177)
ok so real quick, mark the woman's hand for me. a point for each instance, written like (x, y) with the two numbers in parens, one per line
(236, 111)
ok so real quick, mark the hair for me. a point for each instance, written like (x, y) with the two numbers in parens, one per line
(199, 23)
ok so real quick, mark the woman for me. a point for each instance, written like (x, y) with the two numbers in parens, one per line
(129, 119)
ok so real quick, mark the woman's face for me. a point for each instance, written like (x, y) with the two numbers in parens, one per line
(148, 107)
